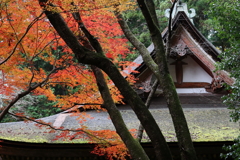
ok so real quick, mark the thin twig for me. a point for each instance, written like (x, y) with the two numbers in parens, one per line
(58, 129)
(15, 32)
(170, 29)
(20, 40)
(24, 93)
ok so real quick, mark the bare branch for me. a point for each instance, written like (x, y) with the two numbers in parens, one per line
(93, 40)
(148, 102)
(15, 32)
(24, 93)
(170, 29)
(136, 43)
(40, 122)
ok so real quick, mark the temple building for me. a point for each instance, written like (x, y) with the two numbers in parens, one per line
(192, 57)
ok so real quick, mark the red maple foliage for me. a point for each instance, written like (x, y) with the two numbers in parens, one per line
(27, 41)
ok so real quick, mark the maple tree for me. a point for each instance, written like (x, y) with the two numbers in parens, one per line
(25, 43)
(28, 42)
(77, 39)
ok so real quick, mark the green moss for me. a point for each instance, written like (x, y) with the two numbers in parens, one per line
(204, 125)
(202, 134)
(24, 139)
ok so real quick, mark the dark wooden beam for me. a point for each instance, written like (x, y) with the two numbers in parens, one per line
(179, 70)
(11, 150)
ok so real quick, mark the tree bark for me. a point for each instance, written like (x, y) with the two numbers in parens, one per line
(169, 91)
(86, 56)
(160, 70)
(135, 149)
(148, 102)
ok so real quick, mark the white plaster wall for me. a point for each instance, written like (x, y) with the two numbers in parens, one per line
(192, 72)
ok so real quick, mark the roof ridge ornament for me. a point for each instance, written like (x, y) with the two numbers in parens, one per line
(180, 6)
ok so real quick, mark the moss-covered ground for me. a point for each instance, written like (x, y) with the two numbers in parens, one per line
(205, 125)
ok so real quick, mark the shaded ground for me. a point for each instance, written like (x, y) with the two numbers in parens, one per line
(207, 118)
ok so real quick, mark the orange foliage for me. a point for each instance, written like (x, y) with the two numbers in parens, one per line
(117, 151)
(108, 143)
(27, 39)
(26, 36)
(114, 148)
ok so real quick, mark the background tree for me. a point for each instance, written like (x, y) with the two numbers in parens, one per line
(225, 16)
(138, 25)
(226, 26)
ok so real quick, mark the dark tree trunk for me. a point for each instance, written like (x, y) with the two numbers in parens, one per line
(86, 56)
(160, 70)
(169, 91)
(135, 149)
(148, 102)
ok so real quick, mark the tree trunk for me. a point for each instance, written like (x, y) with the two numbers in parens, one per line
(169, 91)
(161, 72)
(148, 102)
(86, 56)
(135, 149)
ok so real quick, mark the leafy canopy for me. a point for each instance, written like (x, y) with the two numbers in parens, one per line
(30, 48)
(225, 17)
(32, 52)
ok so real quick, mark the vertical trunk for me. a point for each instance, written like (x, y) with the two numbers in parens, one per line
(135, 149)
(148, 102)
(162, 74)
(159, 143)
(169, 90)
